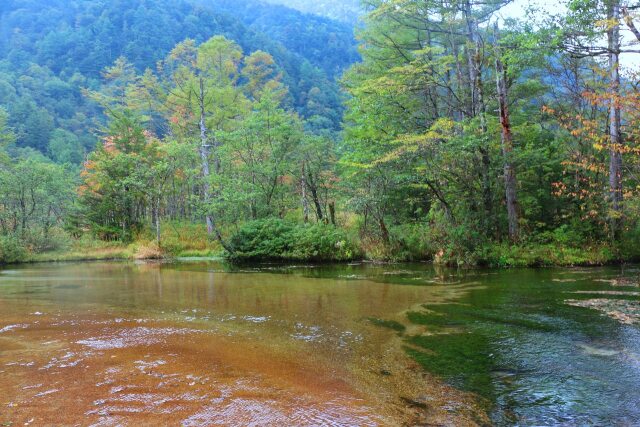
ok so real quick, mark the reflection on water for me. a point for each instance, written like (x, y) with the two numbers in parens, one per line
(198, 343)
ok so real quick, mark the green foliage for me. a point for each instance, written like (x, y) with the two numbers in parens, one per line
(343, 10)
(264, 152)
(187, 239)
(53, 51)
(551, 254)
(65, 147)
(389, 324)
(277, 240)
(119, 177)
(11, 250)
(40, 240)
(245, 130)
(34, 194)
(325, 43)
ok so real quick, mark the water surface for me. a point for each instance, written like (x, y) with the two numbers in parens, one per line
(200, 343)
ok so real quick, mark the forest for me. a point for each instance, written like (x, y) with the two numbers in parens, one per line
(399, 130)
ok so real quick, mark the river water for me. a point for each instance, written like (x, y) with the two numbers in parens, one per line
(201, 343)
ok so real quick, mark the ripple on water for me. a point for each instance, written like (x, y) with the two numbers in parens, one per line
(307, 333)
(253, 412)
(10, 328)
(256, 319)
(68, 360)
(46, 393)
(138, 336)
(144, 366)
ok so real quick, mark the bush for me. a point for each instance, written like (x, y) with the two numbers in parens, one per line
(56, 239)
(446, 244)
(278, 240)
(536, 255)
(12, 250)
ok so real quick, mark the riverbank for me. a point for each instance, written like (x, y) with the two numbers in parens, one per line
(501, 256)
(130, 252)
(275, 240)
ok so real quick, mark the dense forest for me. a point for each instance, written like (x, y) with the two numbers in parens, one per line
(175, 127)
(342, 10)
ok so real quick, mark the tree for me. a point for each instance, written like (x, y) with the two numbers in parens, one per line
(117, 179)
(506, 135)
(262, 156)
(588, 22)
(65, 147)
(7, 137)
(34, 196)
(203, 85)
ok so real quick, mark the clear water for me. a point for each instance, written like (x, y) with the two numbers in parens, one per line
(199, 343)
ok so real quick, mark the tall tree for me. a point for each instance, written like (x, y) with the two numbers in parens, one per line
(202, 84)
(506, 134)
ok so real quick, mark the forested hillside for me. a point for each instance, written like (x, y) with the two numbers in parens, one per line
(325, 43)
(343, 10)
(51, 51)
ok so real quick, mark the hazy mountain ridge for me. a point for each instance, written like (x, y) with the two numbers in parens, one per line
(343, 10)
(326, 43)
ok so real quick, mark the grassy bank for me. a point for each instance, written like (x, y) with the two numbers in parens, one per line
(178, 240)
(282, 241)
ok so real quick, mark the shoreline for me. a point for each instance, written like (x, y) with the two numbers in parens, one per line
(122, 255)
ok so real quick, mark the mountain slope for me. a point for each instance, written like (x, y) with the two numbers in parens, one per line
(326, 43)
(342, 10)
(51, 49)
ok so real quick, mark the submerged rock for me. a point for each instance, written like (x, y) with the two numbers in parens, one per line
(598, 351)
(624, 311)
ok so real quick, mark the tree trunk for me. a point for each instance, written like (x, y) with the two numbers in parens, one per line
(615, 135)
(204, 154)
(205, 149)
(156, 209)
(314, 196)
(303, 188)
(478, 108)
(383, 230)
(332, 212)
(507, 147)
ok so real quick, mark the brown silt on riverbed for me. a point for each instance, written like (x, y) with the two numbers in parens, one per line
(122, 344)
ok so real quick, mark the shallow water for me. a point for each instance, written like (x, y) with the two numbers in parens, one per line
(200, 343)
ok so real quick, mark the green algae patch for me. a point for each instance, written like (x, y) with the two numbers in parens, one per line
(389, 324)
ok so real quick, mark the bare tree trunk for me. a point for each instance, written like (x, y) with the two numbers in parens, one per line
(507, 147)
(332, 212)
(314, 196)
(303, 188)
(615, 135)
(205, 150)
(478, 108)
(156, 209)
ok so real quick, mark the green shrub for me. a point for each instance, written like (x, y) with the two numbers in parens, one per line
(11, 250)
(412, 242)
(56, 239)
(278, 240)
(533, 255)
(456, 245)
